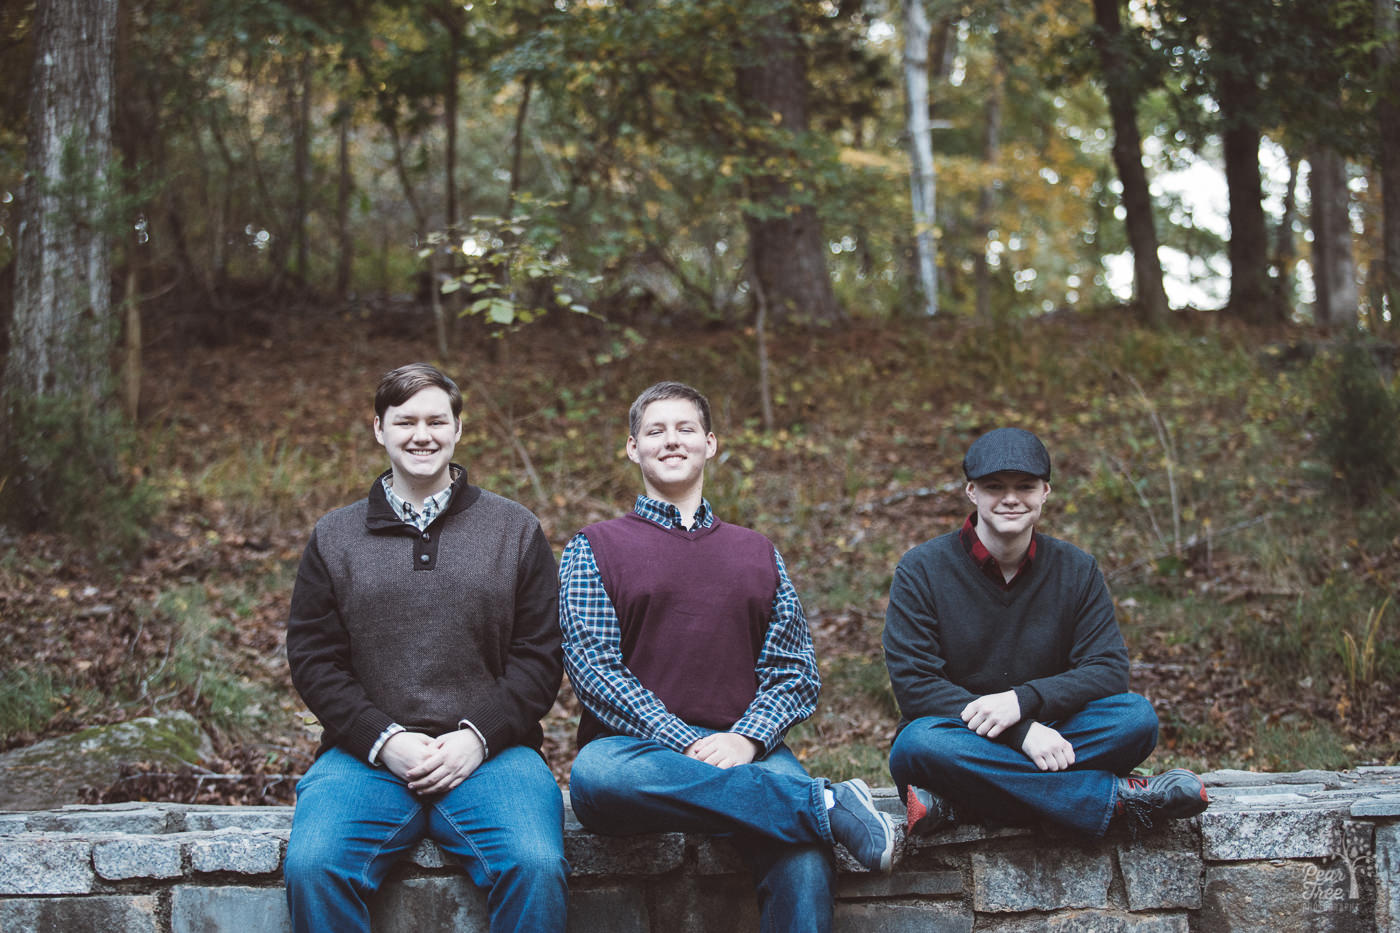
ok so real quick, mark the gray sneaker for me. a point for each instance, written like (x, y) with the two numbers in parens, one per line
(867, 834)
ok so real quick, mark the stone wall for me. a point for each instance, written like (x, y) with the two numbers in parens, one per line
(1313, 850)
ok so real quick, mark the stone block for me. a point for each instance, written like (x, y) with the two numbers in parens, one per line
(1284, 896)
(1258, 792)
(245, 818)
(237, 852)
(649, 854)
(685, 903)
(1250, 835)
(229, 909)
(119, 858)
(711, 856)
(42, 863)
(1380, 805)
(899, 884)
(901, 918)
(426, 854)
(1045, 879)
(1235, 778)
(961, 833)
(102, 914)
(1092, 921)
(1158, 879)
(94, 820)
(440, 902)
(1388, 878)
(612, 909)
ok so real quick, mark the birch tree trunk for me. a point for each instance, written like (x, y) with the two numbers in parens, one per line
(922, 179)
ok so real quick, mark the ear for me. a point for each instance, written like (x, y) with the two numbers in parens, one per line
(378, 431)
(458, 435)
(632, 449)
(971, 491)
(1047, 489)
(711, 446)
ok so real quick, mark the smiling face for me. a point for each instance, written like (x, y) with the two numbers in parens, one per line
(671, 446)
(1008, 503)
(420, 436)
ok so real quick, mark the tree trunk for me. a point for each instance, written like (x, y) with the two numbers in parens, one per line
(785, 234)
(1285, 246)
(986, 195)
(1250, 294)
(1120, 86)
(1388, 115)
(922, 175)
(345, 240)
(62, 330)
(1334, 270)
(62, 327)
(301, 158)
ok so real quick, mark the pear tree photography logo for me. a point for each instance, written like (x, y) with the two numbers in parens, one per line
(1340, 877)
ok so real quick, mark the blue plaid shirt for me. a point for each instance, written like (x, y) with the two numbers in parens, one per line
(418, 518)
(788, 681)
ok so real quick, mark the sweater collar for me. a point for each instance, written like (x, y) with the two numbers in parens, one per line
(986, 562)
(381, 516)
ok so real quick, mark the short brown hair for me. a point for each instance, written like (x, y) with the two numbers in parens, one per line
(660, 392)
(399, 385)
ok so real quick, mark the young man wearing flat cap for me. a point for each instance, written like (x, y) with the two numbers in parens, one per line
(1011, 673)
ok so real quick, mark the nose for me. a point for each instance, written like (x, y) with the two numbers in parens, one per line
(420, 431)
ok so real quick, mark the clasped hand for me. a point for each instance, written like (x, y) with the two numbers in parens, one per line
(723, 749)
(993, 714)
(433, 765)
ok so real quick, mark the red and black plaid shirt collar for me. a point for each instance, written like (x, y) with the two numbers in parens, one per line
(984, 559)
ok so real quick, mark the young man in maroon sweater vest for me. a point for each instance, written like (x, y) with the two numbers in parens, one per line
(685, 641)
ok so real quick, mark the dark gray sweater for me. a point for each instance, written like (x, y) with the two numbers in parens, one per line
(952, 635)
(458, 622)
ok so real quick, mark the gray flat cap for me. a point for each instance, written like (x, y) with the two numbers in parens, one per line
(1007, 449)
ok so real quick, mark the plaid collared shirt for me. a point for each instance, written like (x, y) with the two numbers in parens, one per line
(788, 681)
(418, 518)
(983, 558)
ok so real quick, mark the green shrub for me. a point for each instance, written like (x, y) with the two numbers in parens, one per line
(68, 472)
(1360, 434)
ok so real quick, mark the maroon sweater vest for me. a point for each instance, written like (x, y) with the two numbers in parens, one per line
(693, 607)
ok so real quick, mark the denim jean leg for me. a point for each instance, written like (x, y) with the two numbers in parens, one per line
(622, 785)
(1114, 734)
(795, 884)
(506, 825)
(993, 780)
(351, 822)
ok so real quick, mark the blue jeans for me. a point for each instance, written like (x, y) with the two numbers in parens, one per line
(988, 780)
(774, 813)
(352, 820)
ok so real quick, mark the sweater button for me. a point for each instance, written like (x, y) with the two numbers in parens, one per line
(423, 558)
(427, 536)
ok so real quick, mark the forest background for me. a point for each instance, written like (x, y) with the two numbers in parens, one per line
(869, 230)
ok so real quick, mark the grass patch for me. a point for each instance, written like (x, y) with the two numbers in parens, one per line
(26, 700)
(197, 665)
(1293, 745)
